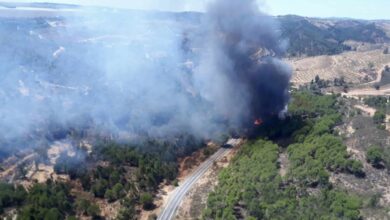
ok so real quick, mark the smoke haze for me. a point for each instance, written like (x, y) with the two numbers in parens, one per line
(136, 73)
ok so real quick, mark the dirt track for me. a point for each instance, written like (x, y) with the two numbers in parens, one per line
(369, 90)
(371, 112)
(378, 76)
(354, 66)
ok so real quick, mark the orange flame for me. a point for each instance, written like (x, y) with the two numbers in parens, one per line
(258, 122)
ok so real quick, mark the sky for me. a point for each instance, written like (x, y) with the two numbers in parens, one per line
(362, 9)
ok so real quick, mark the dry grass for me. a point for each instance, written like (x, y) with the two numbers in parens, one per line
(359, 132)
(353, 66)
(190, 163)
(376, 181)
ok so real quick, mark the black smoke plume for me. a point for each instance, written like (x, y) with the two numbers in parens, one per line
(247, 49)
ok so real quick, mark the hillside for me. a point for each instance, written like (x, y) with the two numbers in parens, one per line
(356, 67)
(106, 111)
(305, 36)
(313, 37)
(324, 170)
(37, 5)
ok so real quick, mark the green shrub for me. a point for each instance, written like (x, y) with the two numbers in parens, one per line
(374, 156)
(251, 184)
(147, 201)
(93, 211)
(379, 117)
(11, 196)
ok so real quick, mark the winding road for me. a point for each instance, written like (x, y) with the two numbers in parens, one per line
(370, 90)
(178, 195)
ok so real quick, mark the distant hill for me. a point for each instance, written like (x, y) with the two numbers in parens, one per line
(311, 36)
(306, 36)
(38, 5)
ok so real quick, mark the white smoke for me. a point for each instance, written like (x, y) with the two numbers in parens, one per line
(141, 73)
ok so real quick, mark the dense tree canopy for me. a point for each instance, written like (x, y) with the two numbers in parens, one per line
(252, 188)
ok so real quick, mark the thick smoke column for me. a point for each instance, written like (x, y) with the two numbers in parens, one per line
(142, 74)
(245, 47)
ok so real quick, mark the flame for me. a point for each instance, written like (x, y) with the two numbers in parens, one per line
(258, 122)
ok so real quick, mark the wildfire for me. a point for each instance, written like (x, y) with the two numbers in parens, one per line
(258, 122)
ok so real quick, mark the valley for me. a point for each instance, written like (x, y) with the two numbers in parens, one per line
(130, 114)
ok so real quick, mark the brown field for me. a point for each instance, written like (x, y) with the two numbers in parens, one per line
(354, 66)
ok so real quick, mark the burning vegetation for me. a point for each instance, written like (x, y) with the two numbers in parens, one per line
(258, 122)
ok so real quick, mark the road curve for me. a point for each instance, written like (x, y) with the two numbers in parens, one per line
(370, 90)
(178, 195)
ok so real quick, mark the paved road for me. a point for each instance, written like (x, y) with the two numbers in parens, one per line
(178, 195)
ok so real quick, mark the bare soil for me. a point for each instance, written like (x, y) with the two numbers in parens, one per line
(9, 171)
(283, 164)
(371, 112)
(360, 133)
(354, 66)
(188, 164)
(161, 198)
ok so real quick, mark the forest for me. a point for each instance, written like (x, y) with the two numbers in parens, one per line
(306, 38)
(252, 187)
(126, 174)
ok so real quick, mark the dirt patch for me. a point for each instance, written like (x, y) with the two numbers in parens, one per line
(377, 181)
(108, 210)
(371, 112)
(356, 66)
(369, 89)
(58, 148)
(283, 164)
(43, 173)
(10, 170)
(188, 164)
(161, 198)
(366, 109)
(350, 130)
(87, 146)
(383, 91)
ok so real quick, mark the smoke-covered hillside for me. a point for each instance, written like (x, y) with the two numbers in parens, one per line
(135, 73)
(76, 84)
(105, 111)
(159, 74)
